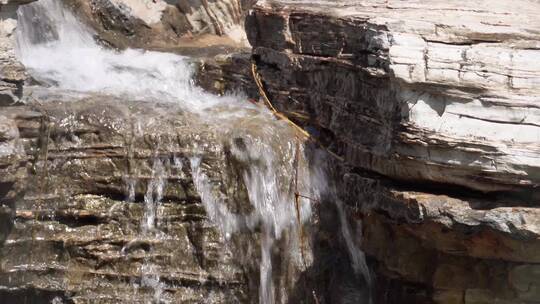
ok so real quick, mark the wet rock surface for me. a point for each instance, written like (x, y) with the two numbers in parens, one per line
(101, 203)
(432, 104)
(225, 73)
(12, 73)
(81, 176)
(100, 200)
(424, 101)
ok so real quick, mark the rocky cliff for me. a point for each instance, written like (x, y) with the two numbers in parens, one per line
(434, 106)
(100, 197)
(169, 25)
(74, 236)
(118, 186)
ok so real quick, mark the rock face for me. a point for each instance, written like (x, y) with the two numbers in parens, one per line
(104, 201)
(435, 108)
(73, 235)
(12, 74)
(101, 202)
(227, 73)
(433, 105)
(163, 24)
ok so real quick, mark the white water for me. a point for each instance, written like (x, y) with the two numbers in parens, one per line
(269, 182)
(153, 196)
(358, 259)
(61, 53)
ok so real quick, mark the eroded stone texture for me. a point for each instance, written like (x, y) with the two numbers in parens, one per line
(68, 169)
(433, 106)
(77, 179)
(12, 72)
(227, 73)
(74, 184)
(163, 24)
(407, 85)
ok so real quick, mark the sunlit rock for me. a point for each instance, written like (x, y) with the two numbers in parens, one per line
(434, 107)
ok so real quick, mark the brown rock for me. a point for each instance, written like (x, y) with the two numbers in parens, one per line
(158, 24)
(429, 103)
(367, 74)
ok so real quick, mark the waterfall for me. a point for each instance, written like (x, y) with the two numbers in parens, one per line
(60, 52)
(154, 195)
(62, 55)
(269, 177)
(357, 257)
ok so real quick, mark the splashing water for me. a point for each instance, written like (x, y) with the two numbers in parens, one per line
(62, 54)
(59, 51)
(154, 195)
(271, 194)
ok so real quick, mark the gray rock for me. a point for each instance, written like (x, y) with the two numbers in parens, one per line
(434, 108)
(425, 100)
(12, 72)
(75, 197)
(227, 73)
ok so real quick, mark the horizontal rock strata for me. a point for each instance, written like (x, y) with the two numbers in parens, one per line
(79, 180)
(12, 72)
(227, 74)
(434, 107)
(163, 24)
(391, 75)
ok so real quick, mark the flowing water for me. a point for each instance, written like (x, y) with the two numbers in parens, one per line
(62, 55)
(61, 52)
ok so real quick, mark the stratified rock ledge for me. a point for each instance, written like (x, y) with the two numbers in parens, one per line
(435, 106)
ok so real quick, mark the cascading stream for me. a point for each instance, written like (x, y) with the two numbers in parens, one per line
(61, 54)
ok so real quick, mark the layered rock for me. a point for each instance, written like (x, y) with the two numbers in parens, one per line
(99, 203)
(113, 201)
(163, 24)
(74, 236)
(433, 106)
(12, 73)
(227, 73)
(82, 178)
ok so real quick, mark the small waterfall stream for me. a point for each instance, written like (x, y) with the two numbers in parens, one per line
(61, 54)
